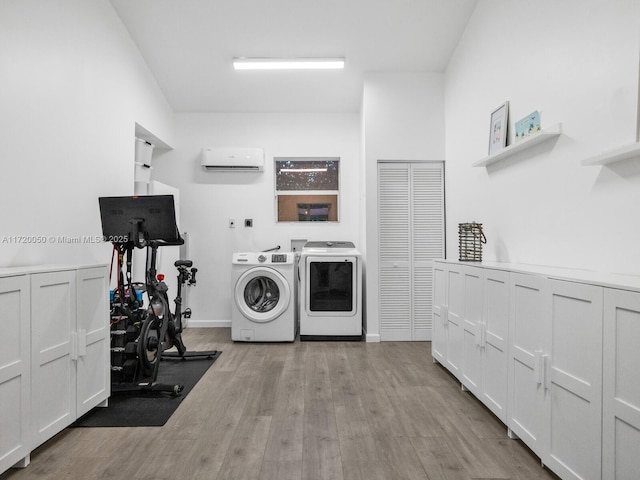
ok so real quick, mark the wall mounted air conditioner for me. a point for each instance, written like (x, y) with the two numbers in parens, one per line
(232, 159)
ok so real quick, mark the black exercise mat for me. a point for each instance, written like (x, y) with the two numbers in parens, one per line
(150, 408)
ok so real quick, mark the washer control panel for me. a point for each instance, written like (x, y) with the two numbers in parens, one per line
(263, 258)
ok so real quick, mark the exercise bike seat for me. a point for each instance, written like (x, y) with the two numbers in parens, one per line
(183, 263)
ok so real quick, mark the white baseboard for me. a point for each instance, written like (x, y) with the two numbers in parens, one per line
(369, 337)
(209, 323)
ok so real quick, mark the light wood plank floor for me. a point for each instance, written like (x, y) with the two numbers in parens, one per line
(307, 410)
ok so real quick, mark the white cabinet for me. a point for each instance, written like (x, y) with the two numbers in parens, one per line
(53, 319)
(69, 347)
(454, 333)
(472, 368)
(55, 364)
(14, 371)
(471, 313)
(448, 316)
(528, 352)
(553, 353)
(438, 343)
(555, 373)
(573, 381)
(93, 380)
(494, 341)
(621, 398)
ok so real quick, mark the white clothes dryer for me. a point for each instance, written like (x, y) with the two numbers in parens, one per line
(330, 291)
(263, 306)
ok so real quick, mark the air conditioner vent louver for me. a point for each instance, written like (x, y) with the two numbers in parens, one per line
(232, 159)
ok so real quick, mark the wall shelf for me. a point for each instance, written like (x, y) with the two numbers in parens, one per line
(615, 155)
(542, 136)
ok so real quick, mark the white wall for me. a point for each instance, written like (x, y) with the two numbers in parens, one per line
(577, 62)
(72, 87)
(403, 119)
(209, 199)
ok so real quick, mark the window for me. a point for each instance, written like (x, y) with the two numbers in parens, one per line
(307, 189)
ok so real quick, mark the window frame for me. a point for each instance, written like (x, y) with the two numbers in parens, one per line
(310, 194)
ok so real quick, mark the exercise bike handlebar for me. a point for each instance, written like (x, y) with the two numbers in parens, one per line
(168, 243)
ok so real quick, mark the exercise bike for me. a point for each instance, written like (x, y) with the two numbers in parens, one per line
(162, 329)
(140, 336)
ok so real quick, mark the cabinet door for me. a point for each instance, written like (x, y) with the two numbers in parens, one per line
(574, 381)
(621, 397)
(495, 339)
(438, 342)
(528, 351)
(14, 370)
(455, 317)
(472, 352)
(92, 364)
(53, 317)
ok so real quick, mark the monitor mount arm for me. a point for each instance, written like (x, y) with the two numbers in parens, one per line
(135, 234)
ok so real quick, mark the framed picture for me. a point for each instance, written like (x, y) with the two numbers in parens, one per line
(499, 128)
(528, 125)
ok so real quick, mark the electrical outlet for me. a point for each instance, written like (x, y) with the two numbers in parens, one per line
(248, 222)
(232, 223)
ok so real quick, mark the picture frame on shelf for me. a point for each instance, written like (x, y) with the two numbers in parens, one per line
(499, 128)
(527, 125)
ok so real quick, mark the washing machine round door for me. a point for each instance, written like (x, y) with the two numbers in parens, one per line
(262, 294)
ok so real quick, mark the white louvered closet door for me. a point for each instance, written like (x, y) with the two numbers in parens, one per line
(411, 235)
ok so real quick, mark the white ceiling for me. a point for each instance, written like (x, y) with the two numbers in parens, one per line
(189, 45)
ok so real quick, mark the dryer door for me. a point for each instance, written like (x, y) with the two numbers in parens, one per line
(331, 286)
(262, 294)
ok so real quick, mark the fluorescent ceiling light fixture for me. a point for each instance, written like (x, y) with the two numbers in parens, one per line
(288, 63)
(298, 170)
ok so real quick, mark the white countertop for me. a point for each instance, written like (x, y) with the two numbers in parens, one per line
(612, 280)
(44, 268)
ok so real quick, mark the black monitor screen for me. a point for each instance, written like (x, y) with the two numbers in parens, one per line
(154, 214)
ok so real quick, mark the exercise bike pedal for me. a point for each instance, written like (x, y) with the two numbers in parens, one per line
(187, 313)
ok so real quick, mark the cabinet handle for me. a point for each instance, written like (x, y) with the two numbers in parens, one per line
(73, 340)
(82, 343)
(546, 362)
(538, 366)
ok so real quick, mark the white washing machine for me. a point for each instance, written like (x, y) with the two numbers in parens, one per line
(330, 291)
(263, 306)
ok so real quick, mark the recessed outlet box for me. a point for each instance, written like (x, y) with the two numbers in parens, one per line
(297, 244)
(248, 222)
